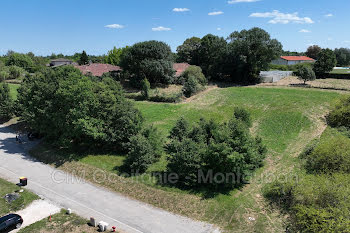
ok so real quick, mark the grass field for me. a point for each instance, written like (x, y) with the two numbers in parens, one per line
(13, 90)
(25, 198)
(286, 118)
(341, 71)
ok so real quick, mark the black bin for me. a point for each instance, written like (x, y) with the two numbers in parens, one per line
(23, 181)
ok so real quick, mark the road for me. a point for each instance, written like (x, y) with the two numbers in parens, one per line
(86, 199)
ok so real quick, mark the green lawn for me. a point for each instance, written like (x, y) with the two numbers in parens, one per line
(286, 118)
(25, 198)
(341, 71)
(13, 90)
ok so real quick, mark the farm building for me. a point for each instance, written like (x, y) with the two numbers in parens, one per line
(60, 62)
(180, 68)
(292, 60)
(97, 69)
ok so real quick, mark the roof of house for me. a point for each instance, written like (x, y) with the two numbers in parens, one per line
(180, 68)
(98, 69)
(297, 58)
(61, 60)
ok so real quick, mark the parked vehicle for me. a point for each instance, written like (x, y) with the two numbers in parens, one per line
(10, 221)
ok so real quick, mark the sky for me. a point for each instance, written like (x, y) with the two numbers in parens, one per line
(69, 26)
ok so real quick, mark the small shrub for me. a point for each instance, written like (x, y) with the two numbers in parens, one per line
(243, 115)
(306, 74)
(332, 155)
(146, 88)
(16, 72)
(196, 72)
(191, 87)
(4, 75)
(340, 114)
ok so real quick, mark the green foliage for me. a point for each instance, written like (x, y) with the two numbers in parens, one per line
(343, 56)
(340, 114)
(6, 103)
(84, 58)
(194, 71)
(189, 51)
(151, 60)
(306, 74)
(243, 115)
(21, 60)
(68, 108)
(114, 56)
(251, 51)
(212, 149)
(4, 75)
(332, 155)
(16, 72)
(191, 86)
(315, 203)
(313, 51)
(145, 89)
(325, 63)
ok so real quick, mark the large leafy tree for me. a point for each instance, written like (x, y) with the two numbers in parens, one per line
(212, 53)
(68, 108)
(189, 51)
(251, 51)
(20, 60)
(343, 56)
(325, 63)
(151, 60)
(6, 103)
(313, 51)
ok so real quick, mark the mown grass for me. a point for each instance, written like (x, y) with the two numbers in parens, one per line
(286, 119)
(25, 199)
(61, 223)
(340, 71)
(14, 90)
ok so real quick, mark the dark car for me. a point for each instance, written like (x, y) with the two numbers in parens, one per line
(10, 221)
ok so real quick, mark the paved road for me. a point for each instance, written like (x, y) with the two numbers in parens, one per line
(86, 199)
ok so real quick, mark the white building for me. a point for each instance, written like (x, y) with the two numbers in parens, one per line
(292, 60)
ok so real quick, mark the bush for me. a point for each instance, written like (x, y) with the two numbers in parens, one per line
(212, 149)
(146, 88)
(191, 87)
(194, 71)
(21, 60)
(6, 103)
(16, 72)
(243, 115)
(340, 114)
(331, 155)
(306, 74)
(4, 75)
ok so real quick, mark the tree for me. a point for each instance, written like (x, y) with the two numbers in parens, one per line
(343, 56)
(69, 108)
(196, 72)
(84, 59)
(20, 60)
(114, 56)
(305, 73)
(151, 60)
(191, 86)
(6, 103)
(313, 51)
(212, 53)
(251, 51)
(325, 62)
(189, 51)
(16, 72)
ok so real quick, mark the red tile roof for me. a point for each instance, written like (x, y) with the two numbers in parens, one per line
(297, 58)
(97, 69)
(180, 68)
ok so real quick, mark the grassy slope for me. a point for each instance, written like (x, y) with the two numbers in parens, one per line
(6, 188)
(13, 90)
(287, 119)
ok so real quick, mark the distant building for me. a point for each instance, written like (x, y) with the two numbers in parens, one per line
(180, 68)
(292, 60)
(98, 69)
(60, 62)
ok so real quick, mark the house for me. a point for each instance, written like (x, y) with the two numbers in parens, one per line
(180, 68)
(60, 62)
(292, 60)
(98, 69)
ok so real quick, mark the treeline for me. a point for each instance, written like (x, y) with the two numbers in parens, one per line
(319, 201)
